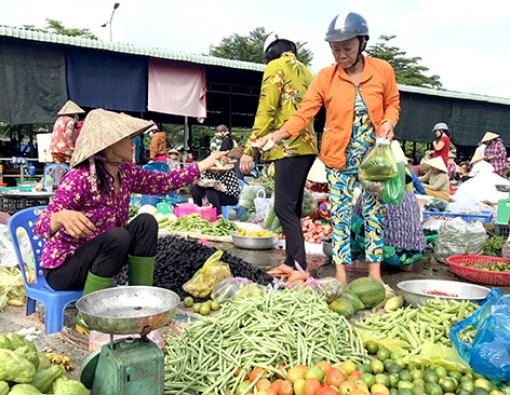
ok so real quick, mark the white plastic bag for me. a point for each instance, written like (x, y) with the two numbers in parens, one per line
(261, 205)
(458, 237)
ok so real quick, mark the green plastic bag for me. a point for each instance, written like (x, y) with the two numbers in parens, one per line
(379, 164)
(393, 191)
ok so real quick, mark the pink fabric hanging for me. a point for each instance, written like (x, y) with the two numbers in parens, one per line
(177, 88)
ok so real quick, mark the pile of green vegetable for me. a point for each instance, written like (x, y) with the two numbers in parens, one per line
(493, 266)
(308, 208)
(430, 322)
(194, 222)
(493, 246)
(12, 288)
(26, 371)
(287, 327)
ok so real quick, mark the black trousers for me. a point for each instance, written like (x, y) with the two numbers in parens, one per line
(105, 255)
(216, 198)
(289, 182)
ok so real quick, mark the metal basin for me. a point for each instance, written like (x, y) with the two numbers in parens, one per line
(128, 310)
(327, 247)
(414, 291)
(254, 243)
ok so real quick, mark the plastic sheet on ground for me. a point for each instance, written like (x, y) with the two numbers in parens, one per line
(482, 188)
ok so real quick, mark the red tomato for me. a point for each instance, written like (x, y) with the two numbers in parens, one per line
(312, 386)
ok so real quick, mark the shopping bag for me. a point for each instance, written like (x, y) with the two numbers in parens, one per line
(393, 191)
(212, 272)
(261, 205)
(379, 164)
(488, 353)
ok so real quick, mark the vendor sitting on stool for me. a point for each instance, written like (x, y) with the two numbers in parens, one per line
(173, 159)
(220, 187)
(85, 227)
(436, 181)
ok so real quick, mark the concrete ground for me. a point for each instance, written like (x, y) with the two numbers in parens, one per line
(70, 343)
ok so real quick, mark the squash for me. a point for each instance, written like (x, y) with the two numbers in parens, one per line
(355, 301)
(342, 306)
(370, 291)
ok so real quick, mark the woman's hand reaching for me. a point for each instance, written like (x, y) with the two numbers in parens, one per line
(210, 161)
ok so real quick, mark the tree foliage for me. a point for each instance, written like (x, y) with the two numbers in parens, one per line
(250, 48)
(407, 70)
(56, 27)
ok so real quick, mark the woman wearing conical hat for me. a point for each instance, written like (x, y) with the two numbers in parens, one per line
(436, 181)
(495, 151)
(85, 227)
(63, 137)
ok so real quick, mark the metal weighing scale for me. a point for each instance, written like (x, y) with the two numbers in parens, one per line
(128, 366)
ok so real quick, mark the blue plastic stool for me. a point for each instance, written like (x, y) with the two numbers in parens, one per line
(225, 210)
(54, 301)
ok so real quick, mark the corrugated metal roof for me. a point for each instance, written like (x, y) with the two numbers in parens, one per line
(453, 94)
(34, 35)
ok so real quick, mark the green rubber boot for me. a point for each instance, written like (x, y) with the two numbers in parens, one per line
(92, 283)
(141, 270)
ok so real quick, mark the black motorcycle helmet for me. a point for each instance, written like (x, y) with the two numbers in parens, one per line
(275, 45)
(344, 27)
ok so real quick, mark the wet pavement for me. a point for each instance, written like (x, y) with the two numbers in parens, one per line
(70, 343)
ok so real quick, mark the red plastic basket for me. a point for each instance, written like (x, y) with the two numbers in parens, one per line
(478, 275)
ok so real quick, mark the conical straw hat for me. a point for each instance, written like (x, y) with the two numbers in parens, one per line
(479, 154)
(317, 172)
(102, 129)
(71, 108)
(437, 163)
(489, 136)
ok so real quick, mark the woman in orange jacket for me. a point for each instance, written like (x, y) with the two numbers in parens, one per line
(362, 102)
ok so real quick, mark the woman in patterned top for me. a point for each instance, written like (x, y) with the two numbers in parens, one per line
(65, 132)
(221, 188)
(284, 84)
(362, 102)
(85, 227)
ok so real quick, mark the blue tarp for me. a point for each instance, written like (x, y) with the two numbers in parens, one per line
(105, 80)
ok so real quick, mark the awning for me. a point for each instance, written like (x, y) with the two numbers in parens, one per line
(177, 88)
(32, 82)
(103, 80)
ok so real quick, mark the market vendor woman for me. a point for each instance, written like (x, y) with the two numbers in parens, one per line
(85, 227)
(362, 102)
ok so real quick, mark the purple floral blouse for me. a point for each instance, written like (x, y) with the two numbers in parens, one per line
(105, 211)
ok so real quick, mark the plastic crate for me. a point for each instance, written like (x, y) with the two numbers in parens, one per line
(478, 275)
(501, 230)
(21, 188)
(484, 216)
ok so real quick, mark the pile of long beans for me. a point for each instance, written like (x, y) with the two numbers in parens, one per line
(287, 327)
(194, 222)
(431, 322)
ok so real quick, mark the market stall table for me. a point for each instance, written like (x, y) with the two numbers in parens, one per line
(13, 201)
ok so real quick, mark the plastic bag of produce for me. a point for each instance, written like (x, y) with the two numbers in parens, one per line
(328, 287)
(436, 204)
(489, 351)
(203, 281)
(393, 191)
(228, 289)
(308, 208)
(248, 195)
(372, 187)
(458, 237)
(250, 290)
(379, 164)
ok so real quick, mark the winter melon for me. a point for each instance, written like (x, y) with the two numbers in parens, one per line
(370, 291)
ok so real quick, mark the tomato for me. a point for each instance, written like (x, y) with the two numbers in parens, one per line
(286, 388)
(242, 387)
(348, 367)
(346, 387)
(312, 386)
(295, 373)
(327, 391)
(299, 387)
(254, 374)
(315, 372)
(335, 377)
(281, 367)
(324, 365)
(354, 376)
(263, 384)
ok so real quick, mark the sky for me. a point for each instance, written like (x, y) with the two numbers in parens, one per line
(465, 43)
